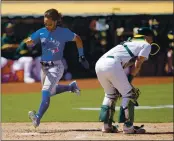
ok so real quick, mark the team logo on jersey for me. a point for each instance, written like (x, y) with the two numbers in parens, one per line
(54, 50)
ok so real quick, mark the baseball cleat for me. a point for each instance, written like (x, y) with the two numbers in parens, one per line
(134, 130)
(112, 129)
(74, 87)
(35, 120)
(29, 80)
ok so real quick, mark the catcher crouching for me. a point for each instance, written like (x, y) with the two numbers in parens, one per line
(110, 73)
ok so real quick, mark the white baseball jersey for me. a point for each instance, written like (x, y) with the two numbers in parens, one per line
(110, 67)
(137, 47)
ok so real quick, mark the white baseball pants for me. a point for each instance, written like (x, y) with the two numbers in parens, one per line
(112, 76)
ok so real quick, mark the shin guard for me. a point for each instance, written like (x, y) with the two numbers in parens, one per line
(127, 113)
(107, 111)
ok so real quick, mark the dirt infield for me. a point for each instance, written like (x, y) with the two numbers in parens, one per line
(80, 130)
(16, 88)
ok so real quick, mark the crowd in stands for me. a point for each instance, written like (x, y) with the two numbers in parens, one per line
(99, 34)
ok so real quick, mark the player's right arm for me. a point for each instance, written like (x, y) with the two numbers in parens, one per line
(33, 39)
(137, 66)
(142, 56)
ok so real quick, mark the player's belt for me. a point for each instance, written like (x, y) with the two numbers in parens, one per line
(47, 64)
(110, 57)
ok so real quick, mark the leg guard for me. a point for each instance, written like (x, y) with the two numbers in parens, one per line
(107, 114)
(127, 113)
(108, 109)
(127, 107)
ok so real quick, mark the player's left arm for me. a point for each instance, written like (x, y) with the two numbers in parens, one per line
(79, 43)
(71, 36)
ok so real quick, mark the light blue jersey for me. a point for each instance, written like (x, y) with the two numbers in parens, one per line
(52, 43)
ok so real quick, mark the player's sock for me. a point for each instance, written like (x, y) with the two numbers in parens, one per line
(44, 104)
(62, 88)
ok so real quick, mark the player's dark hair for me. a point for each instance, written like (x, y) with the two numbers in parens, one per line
(54, 15)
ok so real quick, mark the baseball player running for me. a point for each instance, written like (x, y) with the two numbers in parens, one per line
(110, 73)
(53, 38)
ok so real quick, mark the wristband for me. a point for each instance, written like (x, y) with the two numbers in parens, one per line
(80, 51)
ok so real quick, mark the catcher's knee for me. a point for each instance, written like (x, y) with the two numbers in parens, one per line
(114, 96)
(47, 88)
(131, 96)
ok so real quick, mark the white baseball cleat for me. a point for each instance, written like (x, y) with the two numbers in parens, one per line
(35, 120)
(74, 87)
(29, 80)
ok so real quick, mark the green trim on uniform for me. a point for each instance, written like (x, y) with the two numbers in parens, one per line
(128, 50)
(110, 57)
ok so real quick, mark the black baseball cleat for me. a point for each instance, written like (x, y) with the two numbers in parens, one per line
(112, 129)
(134, 130)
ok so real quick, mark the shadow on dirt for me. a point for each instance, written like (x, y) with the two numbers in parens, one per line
(155, 133)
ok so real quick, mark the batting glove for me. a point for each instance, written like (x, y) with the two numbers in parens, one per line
(84, 62)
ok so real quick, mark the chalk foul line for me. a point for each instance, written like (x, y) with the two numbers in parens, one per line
(137, 108)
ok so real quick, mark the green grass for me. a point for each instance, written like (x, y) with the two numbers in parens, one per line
(16, 106)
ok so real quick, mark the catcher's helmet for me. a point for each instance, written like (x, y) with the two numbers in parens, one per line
(145, 31)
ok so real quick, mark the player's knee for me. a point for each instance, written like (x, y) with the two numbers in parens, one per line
(46, 88)
(113, 96)
(131, 96)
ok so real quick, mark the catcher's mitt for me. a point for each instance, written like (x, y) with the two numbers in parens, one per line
(136, 93)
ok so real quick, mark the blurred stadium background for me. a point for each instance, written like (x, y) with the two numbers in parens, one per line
(101, 25)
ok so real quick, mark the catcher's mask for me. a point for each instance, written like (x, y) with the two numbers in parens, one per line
(145, 31)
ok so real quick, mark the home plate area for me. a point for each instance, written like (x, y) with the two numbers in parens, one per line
(81, 131)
